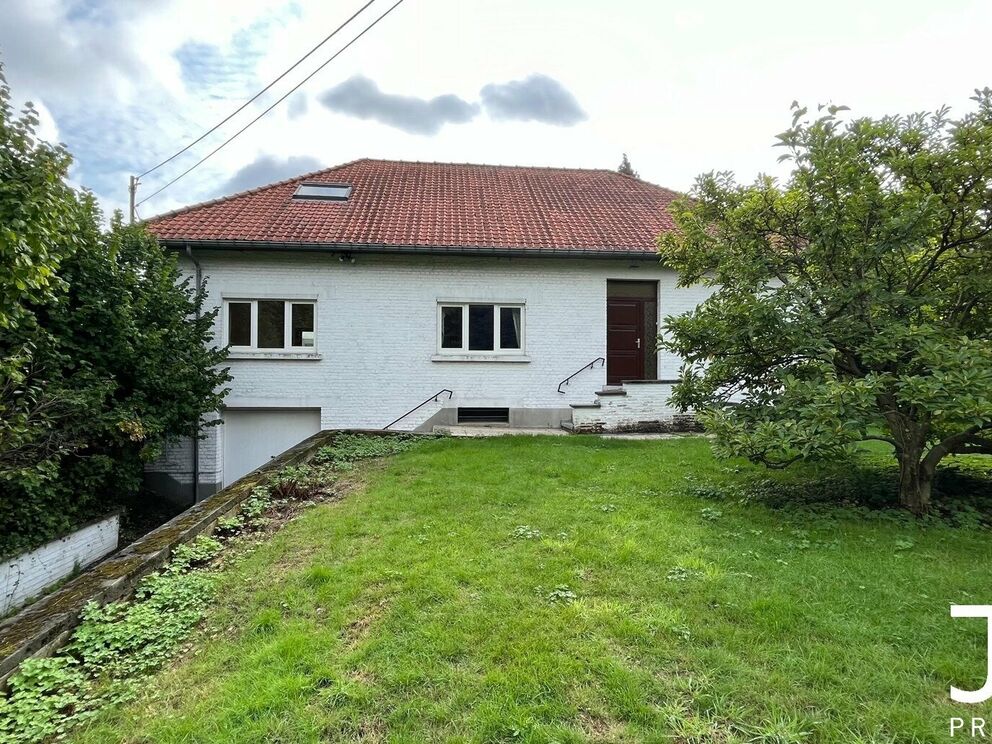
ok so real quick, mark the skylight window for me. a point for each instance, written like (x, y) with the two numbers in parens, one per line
(323, 191)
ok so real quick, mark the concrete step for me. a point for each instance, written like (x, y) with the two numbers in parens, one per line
(493, 430)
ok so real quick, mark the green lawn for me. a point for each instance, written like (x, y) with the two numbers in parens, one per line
(570, 589)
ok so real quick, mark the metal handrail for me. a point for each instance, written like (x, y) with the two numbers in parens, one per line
(588, 366)
(434, 398)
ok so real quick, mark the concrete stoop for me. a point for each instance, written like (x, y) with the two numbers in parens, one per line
(635, 406)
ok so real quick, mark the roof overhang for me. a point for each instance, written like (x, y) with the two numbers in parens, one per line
(429, 250)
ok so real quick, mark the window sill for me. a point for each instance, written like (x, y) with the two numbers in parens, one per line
(300, 356)
(503, 358)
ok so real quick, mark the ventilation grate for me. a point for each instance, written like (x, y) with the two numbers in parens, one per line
(483, 415)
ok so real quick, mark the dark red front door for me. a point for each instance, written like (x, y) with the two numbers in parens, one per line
(625, 340)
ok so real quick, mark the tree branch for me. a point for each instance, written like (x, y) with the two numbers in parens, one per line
(952, 443)
(974, 447)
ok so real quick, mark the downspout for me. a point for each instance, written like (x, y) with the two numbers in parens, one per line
(196, 426)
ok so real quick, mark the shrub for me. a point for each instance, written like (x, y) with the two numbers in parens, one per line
(298, 482)
(105, 351)
(852, 299)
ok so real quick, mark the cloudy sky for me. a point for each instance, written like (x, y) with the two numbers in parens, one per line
(682, 87)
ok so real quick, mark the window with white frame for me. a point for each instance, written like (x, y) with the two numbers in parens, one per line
(270, 325)
(480, 328)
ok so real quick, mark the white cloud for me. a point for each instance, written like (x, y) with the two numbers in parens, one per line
(360, 97)
(535, 98)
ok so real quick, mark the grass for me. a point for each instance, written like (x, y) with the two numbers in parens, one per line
(574, 589)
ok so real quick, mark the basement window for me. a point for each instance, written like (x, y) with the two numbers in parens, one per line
(270, 325)
(480, 328)
(323, 191)
(483, 415)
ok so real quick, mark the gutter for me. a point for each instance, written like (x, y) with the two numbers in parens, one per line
(384, 248)
(196, 425)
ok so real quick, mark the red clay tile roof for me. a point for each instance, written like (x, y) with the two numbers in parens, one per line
(419, 205)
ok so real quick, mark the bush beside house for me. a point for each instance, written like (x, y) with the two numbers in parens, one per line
(104, 353)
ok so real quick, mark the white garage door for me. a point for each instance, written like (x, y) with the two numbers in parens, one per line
(253, 437)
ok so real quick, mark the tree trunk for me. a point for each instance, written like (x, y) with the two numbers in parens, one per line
(915, 482)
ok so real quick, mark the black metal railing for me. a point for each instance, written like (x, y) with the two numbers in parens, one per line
(434, 398)
(593, 363)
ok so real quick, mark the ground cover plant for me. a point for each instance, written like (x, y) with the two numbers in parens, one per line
(113, 647)
(582, 589)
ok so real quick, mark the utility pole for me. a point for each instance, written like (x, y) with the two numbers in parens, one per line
(132, 190)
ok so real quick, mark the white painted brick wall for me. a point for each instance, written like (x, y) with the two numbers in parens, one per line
(211, 449)
(641, 404)
(377, 332)
(176, 459)
(29, 574)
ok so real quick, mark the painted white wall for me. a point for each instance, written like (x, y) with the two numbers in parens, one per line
(377, 333)
(639, 404)
(29, 574)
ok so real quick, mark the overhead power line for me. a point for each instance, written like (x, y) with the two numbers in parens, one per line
(292, 90)
(255, 97)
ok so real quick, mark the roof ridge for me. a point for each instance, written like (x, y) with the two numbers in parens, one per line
(319, 171)
(246, 192)
(566, 168)
(491, 165)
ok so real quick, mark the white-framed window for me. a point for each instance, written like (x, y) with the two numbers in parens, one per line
(480, 328)
(270, 325)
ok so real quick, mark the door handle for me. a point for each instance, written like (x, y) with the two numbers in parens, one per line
(638, 343)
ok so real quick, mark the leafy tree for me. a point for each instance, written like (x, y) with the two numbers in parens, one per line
(626, 168)
(130, 346)
(40, 214)
(851, 302)
(105, 352)
(42, 222)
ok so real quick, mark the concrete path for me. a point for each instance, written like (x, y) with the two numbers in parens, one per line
(495, 431)
(649, 436)
(460, 430)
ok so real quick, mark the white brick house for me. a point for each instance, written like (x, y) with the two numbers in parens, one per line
(353, 300)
